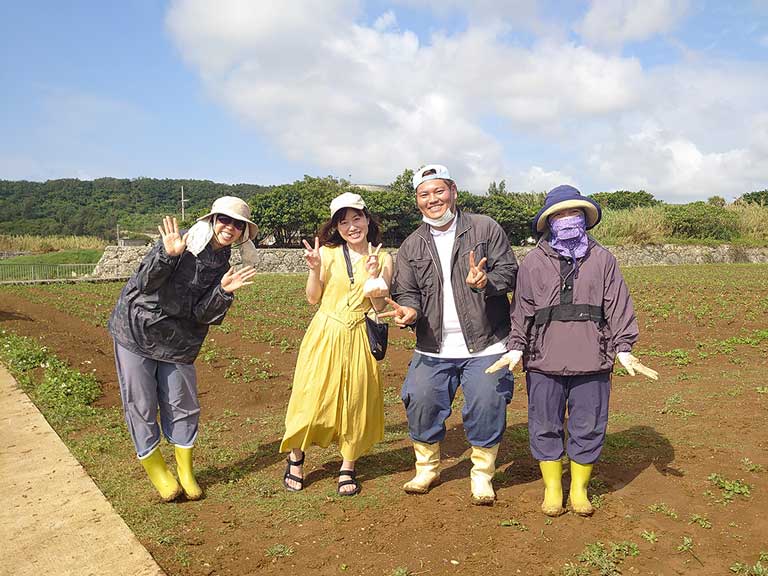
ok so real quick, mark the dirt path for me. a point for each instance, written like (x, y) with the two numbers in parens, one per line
(54, 520)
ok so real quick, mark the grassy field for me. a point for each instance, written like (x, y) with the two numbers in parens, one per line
(82, 256)
(681, 486)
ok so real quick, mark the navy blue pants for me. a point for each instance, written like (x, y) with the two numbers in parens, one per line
(430, 387)
(586, 398)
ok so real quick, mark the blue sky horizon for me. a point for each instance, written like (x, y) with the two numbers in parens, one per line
(664, 95)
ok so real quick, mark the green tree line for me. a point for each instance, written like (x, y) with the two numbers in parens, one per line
(290, 212)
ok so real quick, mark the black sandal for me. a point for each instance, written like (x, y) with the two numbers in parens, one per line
(288, 476)
(352, 482)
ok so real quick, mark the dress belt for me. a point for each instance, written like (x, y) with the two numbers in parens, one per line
(350, 319)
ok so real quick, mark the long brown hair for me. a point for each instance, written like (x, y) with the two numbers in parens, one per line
(329, 231)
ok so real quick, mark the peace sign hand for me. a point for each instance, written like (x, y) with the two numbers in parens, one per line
(312, 255)
(403, 315)
(477, 277)
(233, 280)
(372, 264)
(173, 242)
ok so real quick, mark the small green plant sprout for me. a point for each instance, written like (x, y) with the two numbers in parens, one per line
(279, 551)
(649, 536)
(759, 569)
(750, 466)
(661, 508)
(401, 571)
(606, 559)
(597, 500)
(673, 406)
(687, 546)
(702, 521)
(514, 524)
(762, 389)
(730, 488)
(572, 569)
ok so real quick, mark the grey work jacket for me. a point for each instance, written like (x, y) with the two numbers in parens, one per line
(166, 307)
(418, 283)
(568, 321)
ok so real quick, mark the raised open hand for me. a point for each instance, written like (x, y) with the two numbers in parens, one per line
(402, 315)
(312, 254)
(173, 242)
(372, 263)
(477, 277)
(233, 279)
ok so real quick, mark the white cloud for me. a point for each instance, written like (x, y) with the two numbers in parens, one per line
(371, 100)
(672, 167)
(536, 179)
(615, 22)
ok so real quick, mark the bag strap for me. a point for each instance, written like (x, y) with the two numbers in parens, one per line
(351, 274)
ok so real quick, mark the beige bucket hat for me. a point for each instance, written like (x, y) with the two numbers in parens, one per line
(233, 207)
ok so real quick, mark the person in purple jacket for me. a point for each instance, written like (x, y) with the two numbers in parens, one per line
(571, 317)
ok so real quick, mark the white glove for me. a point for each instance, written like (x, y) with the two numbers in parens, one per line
(633, 365)
(375, 288)
(509, 360)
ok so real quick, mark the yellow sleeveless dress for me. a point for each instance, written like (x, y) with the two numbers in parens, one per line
(337, 393)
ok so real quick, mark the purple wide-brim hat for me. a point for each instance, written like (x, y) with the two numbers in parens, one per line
(562, 198)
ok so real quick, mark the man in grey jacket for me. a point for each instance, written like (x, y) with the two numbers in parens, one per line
(451, 280)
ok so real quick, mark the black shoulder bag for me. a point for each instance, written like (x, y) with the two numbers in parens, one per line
(377, 331)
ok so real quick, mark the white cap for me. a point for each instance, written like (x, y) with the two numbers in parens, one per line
(347, 200)
(423, 174)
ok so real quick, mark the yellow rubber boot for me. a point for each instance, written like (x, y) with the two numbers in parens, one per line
(191, 488)
(483, 469)
(161, 477)
(580, 474)
(427, 468)
(552, 474)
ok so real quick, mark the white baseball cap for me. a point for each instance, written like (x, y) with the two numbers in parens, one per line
(347, 200)
(430, 172)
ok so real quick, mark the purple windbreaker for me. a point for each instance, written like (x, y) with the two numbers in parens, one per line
(571, 320)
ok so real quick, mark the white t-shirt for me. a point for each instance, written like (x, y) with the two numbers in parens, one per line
(453, 345)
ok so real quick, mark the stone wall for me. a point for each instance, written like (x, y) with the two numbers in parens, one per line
(4, 255)
(120, 262)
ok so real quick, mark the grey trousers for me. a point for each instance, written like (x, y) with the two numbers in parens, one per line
(587, 399)
(145, 385)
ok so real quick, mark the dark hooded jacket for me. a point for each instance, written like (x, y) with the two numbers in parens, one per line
(571, 320)
(166, 307)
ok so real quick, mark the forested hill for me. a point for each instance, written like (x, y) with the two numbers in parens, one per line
(94, 207)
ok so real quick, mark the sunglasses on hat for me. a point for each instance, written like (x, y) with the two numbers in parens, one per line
(227, 220)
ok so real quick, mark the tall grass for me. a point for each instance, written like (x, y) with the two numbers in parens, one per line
(753, 222)
(652, 225)
(646, 225)
(27, 243)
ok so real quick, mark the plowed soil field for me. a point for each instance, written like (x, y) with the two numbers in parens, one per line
(669, 487)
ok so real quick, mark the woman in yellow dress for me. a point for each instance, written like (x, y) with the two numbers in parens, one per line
(337, 394)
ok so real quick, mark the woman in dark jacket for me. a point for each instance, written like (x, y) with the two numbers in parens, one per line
(183, 285)
(571, 316)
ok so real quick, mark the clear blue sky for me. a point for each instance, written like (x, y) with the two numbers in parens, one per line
(667, 96)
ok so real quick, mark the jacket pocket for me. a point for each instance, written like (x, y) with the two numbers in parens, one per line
(424, 270)
(606, 340)
(481, 251)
